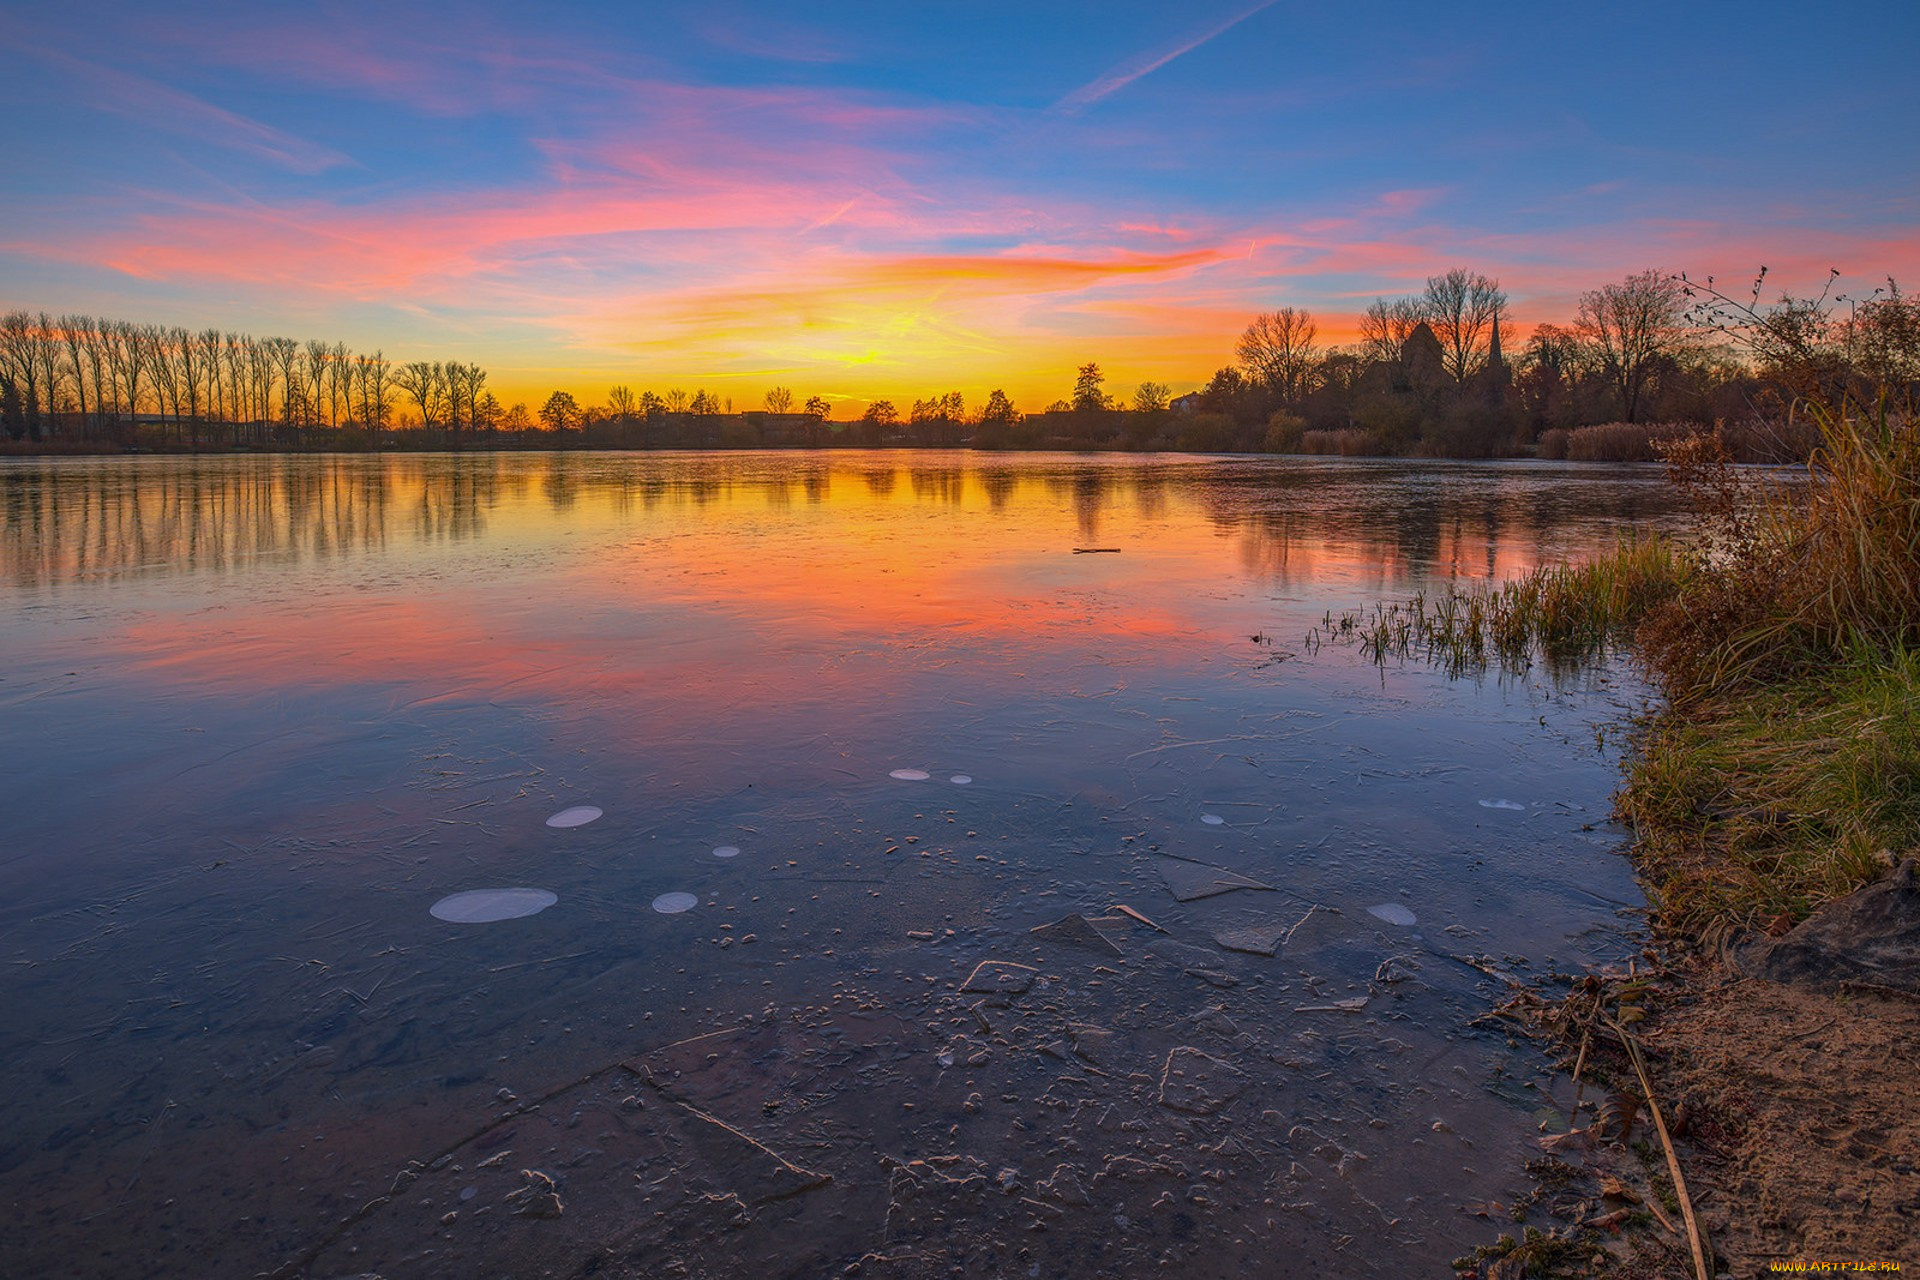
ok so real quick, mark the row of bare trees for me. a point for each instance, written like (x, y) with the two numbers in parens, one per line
(79, 376)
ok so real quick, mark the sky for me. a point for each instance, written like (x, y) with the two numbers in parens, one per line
(858, 199)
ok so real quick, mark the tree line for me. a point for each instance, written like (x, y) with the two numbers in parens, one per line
(1441, 372)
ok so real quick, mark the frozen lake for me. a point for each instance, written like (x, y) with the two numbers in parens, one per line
(779, 760)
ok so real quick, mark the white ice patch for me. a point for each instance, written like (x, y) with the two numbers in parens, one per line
(1213, 819)
(726, 851)
(1392, 913)
(910, 775)
(960, 779)
(578, 816)
(1503, 804)
(484, 906)
(672, 904)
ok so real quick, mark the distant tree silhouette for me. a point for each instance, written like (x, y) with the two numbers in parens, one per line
(561, 413)
(1152, 397)
(1629, 326)
(1460, 308)
(1277, 349)
(1087, 395)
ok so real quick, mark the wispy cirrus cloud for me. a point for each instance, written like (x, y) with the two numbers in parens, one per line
(1133, 69)
(150, 103)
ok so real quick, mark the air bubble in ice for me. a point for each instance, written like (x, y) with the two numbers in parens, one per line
(960, 778)
(672, 904)
(1392, 913)
(578, 816)
(910, 775)
(727, 851)
(484, 906)
(1502, 804)
(1212, 819)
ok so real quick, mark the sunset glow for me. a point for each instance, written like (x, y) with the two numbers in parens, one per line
(872, 202)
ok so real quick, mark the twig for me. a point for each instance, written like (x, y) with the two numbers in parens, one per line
(1696, 1236)
(1126, 910)
(1579, 1085)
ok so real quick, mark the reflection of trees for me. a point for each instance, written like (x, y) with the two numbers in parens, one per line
(455, 493)
(1380, 522)
(1389, 521)
(945, 485)
(999, 484)
(106, 519)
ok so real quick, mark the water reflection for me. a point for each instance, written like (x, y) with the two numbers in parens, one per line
(264, 713)
(76, 521)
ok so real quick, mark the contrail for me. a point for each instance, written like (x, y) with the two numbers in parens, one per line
(1127, 73)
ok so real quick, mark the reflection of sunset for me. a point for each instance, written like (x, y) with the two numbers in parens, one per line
(648, 572)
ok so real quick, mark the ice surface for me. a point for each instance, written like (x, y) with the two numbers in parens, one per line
(484, 906)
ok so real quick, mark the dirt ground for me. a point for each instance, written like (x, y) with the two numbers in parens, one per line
(1784, 1072)
(1801, 1139)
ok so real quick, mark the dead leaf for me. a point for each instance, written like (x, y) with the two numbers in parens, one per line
(1618, 1190)
(1615, 1120)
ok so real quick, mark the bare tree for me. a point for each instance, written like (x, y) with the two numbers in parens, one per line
(473, 381)
(1386, 326)
(283, 359)
(1461, 308)
(129, 360)
(93, 344)
(339, 383)
(1628, 326)
(1278, 349)
(22, 369)
(73, 335)
(453, 376)
(779, 400)
(318, 356)
(372, 374)
(425, 384)
(621, 404)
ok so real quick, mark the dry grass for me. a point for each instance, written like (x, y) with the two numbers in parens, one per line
(1751, 811)
(1566, 615)
(1348, 442)
(1793, 580)
(1785, 770)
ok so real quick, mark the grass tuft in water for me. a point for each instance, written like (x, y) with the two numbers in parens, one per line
(1569, 615)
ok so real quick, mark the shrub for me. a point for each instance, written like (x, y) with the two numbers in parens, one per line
(1345, 443)
(1284, 432)
(1626, 441)
(1795, 578)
